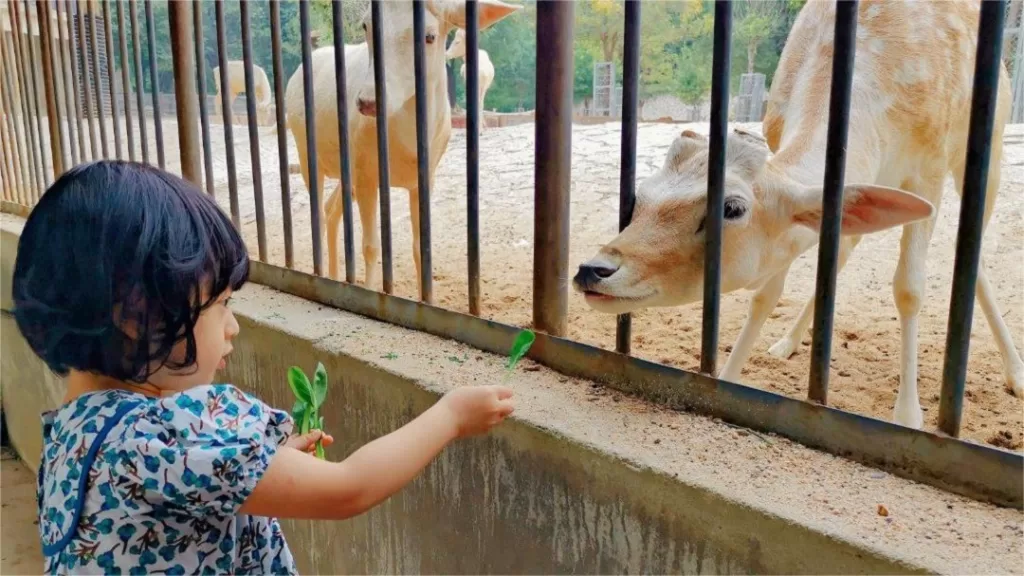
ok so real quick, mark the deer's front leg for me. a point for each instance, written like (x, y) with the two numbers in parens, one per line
(761, 305)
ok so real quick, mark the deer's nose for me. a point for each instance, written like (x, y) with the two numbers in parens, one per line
(366, 107)
(590, 275)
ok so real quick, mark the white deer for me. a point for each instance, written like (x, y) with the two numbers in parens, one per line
(441, 17)
(457, 49)
(236, 81)
(908, 129)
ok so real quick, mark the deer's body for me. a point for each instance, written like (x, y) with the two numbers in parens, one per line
(484, 67)
(909, 117)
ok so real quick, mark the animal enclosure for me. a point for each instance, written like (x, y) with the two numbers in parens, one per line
(490, 260)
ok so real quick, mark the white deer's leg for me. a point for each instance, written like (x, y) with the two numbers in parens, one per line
(908, 292)
(334, 210)
(1013, 367)
(414, 216)
(371, 236)
(761, 306)
(787, 345)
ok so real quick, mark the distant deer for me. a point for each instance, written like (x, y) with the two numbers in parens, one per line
(908, 128)
(485, 69)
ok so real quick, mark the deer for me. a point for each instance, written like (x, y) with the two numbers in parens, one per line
(397, 44)
(236, 79)
(908, 127)
(457, 49)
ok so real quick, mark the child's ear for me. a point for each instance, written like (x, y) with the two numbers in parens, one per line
(867, 208)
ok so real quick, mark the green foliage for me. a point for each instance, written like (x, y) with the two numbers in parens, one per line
(309, 397)
(675, 43)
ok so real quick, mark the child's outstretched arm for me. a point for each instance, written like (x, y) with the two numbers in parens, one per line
(297, 485)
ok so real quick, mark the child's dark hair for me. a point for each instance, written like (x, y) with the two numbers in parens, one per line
(116, 246)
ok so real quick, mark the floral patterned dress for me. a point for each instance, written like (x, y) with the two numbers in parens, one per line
(136, 485)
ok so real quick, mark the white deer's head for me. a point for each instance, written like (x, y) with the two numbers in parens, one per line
(658, 260)
(441, 17)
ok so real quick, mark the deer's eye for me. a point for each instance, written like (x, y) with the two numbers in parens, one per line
(734, 209)
(431, 37)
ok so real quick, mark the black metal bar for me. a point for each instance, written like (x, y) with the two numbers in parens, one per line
(419, 57)
(58, 156)
(552, 166)
(226, 115)
(383, 163)
(21, 60)
(341, 85)
(115, 118)
(971, 469)
(97, 80)
(311, 159)
(716, 186)
(140, 82)
(627, 169)
(154, 81)
(70, 87)
(282, 135)
(984, 99)
(254, 137)
(204, 113)
(86, 82)
(832, 204)
(473, 120)
(126, 91)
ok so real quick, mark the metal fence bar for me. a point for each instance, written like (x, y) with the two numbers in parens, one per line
(473, 119)
(86, 82)
(716, 187)
(97, 80)
(315, 217)
(383, 163)
(57, 155)
(226, 115)
(22, 74)
(552, 166)
(36, 104)
(832, 203)
(204, 113)
(133, 15)
(186, 107)
(22, 178)
(282, 135)
(108, 37)
(627, 170)
(341, 83)
(126, 92)
(69, 81)
(972, 214)
(254, 137)
(419, 57)
(154, 84)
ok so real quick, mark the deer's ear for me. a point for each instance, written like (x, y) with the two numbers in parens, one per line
(866, 208)
(454, 11)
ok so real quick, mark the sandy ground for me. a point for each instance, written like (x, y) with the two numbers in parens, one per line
(19, 534)
(867, 345)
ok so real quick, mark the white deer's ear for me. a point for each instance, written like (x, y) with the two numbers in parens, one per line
(454, 11)
(866, 208)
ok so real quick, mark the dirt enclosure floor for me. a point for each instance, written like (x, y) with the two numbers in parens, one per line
(867, 338)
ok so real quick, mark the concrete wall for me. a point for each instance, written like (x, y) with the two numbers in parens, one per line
(525, 499)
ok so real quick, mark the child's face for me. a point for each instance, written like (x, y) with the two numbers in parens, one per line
(214, 332)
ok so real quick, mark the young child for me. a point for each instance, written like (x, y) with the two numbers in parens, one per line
(122, 284)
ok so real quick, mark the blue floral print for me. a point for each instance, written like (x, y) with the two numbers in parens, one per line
(156, 484)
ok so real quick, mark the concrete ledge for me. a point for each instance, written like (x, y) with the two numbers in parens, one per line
(581, 480)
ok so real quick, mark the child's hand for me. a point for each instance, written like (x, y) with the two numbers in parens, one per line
(307, 442)
(476, 409)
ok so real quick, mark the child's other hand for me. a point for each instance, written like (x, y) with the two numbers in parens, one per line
(476, 409)
(307, 442)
